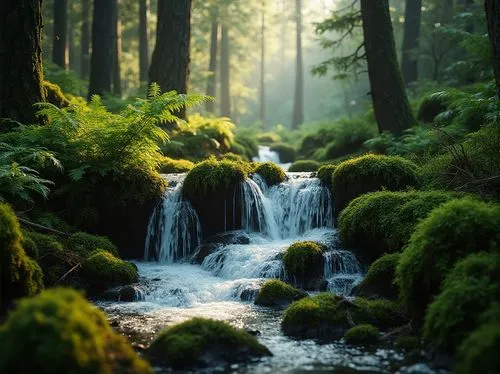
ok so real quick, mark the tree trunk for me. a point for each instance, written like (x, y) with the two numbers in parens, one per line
(225, 90)
(20, 60)
(492, 8)
(263, 69)
(60, 37)
(298, 107)
(85, 41)
(413, 15)
(390, 103)
(103, 36)
(117, 52)
(170, 63)
(212, 67)
(143, 40)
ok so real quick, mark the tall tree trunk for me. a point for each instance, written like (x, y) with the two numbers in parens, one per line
(85, 40)
(492, 8)
(170, 63)
(263, 68)
(143, 40)
(390, 103)
(20, 60)
(103, 36)
(298, 107)
(225, 90)
(60, 37)
(413, 15)
(117, 52)
(212, 67)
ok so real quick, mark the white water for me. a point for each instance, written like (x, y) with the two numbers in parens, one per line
(265, 154)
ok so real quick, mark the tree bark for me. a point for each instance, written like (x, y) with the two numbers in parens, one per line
(263, 68)
(170, 62)
(143, 40)
(298, 107)
(60, 37)
(225, 89)
(85, 40)
(20, 60)
(117, 52)
(103, 35)
(492, 9)
(411, 39)
(212, 66)
(390, 103)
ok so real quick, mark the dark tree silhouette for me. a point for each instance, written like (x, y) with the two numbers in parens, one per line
(60, 37)
(492, 8)
(263, 66)
(298, 107)
(225, 89)
(117, 52)
(143, 40)
(85, 40)
(409, 65)
(212, 66)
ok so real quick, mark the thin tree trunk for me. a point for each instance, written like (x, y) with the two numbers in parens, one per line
(492, 9)
(103, 35)
(390, 103)
(20, 60)
(143, 40)
(298, 107)
(413, 15)
(263, 69)
(225, 94)
(117, 52)
(212, 67)
(85, 41)
(170, 62)
(60, 37)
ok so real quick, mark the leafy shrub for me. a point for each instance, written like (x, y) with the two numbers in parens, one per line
(45, 243)
(304, 261)
(349, 136)
(275, 293)
(286, 152)
(103, 270)
(219, 129)
(169, 166)
(379, 280)
(304, 166)
(317, 140)
(434, 104)
(67, 80)
(449, 233)
(240, 150)
(83, 244)
(202, 342)
(249, 142)
(479, 352)
(54, 94)
(272, 173)
(362, 335)
(325, 173)
(268, 138)
(60, 332)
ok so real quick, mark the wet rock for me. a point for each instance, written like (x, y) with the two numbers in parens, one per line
(215, 242)
(127, 293)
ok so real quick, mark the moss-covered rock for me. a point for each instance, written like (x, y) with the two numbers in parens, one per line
(59, 332)
(272, 173)
(365, 334)
(379, 280)
(29, 245)
(325, 173)
(170, 166)
(45, 243)
(54, 94)
(275, 293)
(369, 173)
(102, 270)
(383, 221)
(19, 275)
(449, 233)
(83, 244)
(304, 166)
(479, 352)
(204, 342)
(304, 264)
(432, 105)
(268, 138)
(230, 156)
(286, 152)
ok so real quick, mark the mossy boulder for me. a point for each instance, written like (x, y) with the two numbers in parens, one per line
(268, 138)
(286, 152)
(304, 166)
(84, 244)
(369, 173)
(19, 275)
(275, 293)
(325, 174)
(29, 245)
(171, 166)
(204, 343)
(272, 173)
(383, 221)
(448, 234)
(44, 243)
(54, 94)
(379, 280)
(365, 334)
(432, 105)
(479, 353)
(304, 264)
(102, 270)
(59, 332)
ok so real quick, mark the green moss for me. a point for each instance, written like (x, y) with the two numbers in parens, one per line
(60, 332)
(103, 270)
(325, 173)
(370, 173)
(169, 166)
(250, 143)
(304, 166)
(304, 260)
(362, 335)
(449, 233)
(286, 152)
(230, 156)
(54, 94)
(211, 175)
(239, 149)
(431, 106)
(83, 244)
(272, 173)
(29, 245)
(199, 342)
(275, 293)
(379, 280)
(407, 342)
(45, 243)
(479, 352)
(268, 138)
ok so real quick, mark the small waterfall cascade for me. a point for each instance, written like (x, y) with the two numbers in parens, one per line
(265, 154)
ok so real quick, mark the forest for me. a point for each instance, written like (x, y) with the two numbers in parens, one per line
(249, 186)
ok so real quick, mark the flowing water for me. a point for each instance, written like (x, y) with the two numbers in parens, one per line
(224, 285)
(265, 154)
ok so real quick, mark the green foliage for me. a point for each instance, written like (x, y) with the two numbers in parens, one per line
(434, 104)
(233, 157)
(362, 335)
(304, 260)
(199, 341)
(240, 150)
(250, 143)
(45, 243)
(349, 137)
(304, 166)
(54, 94)
(325, 173)
(314, 141)
(275, 293)
(103, 270)
(219, 129)
(84, 244)
(67, 80)
(379, 279)
(449, 233)
(286, 152)
(60, 332)
(169, 165)
(268, 138)
(479, 352)
(272, 173)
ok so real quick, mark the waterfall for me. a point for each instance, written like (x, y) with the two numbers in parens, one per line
(342, 271)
